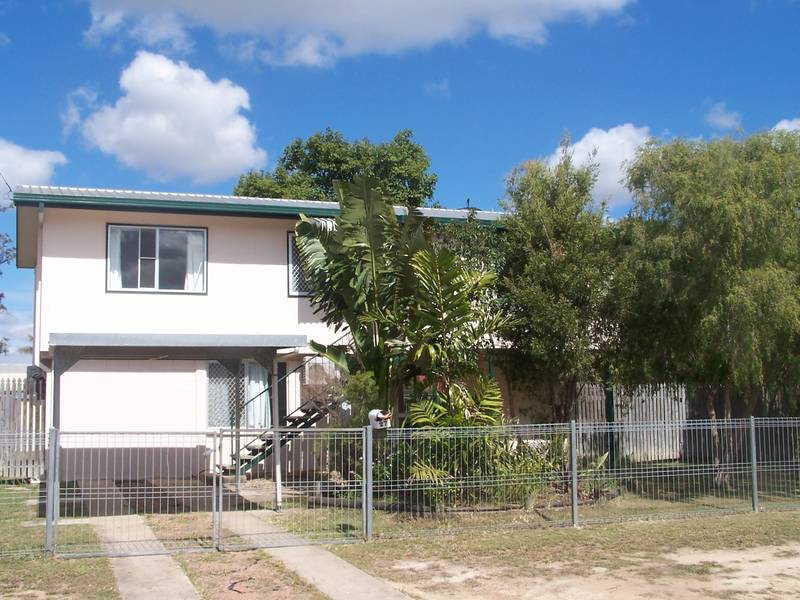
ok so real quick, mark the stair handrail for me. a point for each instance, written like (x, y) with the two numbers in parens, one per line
(268, 389)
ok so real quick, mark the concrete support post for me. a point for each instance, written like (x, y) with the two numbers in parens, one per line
(51, 509)
(573, 470)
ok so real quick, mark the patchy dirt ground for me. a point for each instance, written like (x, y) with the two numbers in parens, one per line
(761, 572)
(243, 575)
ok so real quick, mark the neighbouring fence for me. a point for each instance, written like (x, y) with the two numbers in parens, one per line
(100, 493)
(22, 422)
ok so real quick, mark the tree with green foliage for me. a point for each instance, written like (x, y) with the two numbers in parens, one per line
(7, 254)
(413, 313)
(555, 281)
(308, 168)
(709, 291)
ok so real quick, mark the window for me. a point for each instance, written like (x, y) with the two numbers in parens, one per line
(166, 259)
(298, 284)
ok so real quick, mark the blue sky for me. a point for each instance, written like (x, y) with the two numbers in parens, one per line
(207, 94)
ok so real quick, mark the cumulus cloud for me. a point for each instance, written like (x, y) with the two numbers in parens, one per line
(16, 327)
(610, 149)
(173, 121)
(787, 125)
(318, 32)
(437, 88)
(719, 117)
(22, 165)
(78, 102)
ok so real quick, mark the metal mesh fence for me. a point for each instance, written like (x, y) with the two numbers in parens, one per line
(134, 493)
(140, 493)
(309, 489)
(652, 470)
(22, 494)
(465, 478)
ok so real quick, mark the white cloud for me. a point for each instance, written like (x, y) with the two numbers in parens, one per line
(613, 147)
(78, 102)
(437, 88)
(4, 39)
(787, 125)
(318, 32)
(719, 117)
(16, 327)
(163, 30)
(22, 165)
(173, 121)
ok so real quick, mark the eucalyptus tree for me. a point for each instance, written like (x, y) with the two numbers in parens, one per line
(710, 288)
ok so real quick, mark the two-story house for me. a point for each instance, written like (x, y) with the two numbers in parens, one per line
(152, 310)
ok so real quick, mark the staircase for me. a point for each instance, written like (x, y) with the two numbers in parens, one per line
(257, 450)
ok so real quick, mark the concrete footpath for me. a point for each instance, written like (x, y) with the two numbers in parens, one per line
(142, 577)
(331, 575)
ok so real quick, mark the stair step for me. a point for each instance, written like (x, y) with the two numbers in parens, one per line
(257, 444)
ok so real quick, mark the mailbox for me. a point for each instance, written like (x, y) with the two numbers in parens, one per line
(380, 419)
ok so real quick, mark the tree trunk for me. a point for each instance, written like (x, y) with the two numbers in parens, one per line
(721, 478)
(711, 407)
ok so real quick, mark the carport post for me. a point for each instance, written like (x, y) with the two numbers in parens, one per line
(573, 469)
(51, 508)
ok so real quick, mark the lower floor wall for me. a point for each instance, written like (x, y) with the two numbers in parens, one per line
(171, 395)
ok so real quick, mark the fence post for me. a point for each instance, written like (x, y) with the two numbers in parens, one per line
(573, 469)
(221, 488)
(366, 488)
(753, 464)
(276, 463)
(51, 508)
(214, 469)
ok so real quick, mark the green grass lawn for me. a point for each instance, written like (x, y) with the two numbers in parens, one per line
(23, 571)
(607, 546)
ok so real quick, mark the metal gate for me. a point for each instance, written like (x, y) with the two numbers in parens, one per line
(138, 493)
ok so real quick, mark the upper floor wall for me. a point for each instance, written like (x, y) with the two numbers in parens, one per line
(245, 287)
(121, 261)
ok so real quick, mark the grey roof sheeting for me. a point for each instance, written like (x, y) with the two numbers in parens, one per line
(161, 340)
(27, 195)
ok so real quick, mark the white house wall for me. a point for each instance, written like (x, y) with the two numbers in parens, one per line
(247, 290)
(134, 395)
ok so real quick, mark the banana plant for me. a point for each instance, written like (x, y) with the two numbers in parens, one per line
(359, 265)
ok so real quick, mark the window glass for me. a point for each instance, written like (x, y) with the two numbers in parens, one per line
(148, 243)
(129, 258)
(156, 258)
(147, 273)
(171, 259)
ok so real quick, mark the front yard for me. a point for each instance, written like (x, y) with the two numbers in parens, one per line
(737, 556)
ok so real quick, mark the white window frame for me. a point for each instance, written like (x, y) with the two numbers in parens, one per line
(290, 265)
(156, 289)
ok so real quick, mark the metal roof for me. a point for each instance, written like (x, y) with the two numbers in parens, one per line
(75, 197)
(162, 340)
